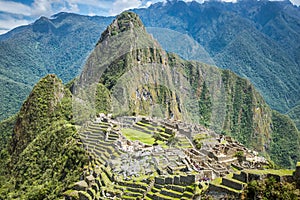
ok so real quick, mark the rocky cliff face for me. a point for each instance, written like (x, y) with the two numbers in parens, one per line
(142, 79)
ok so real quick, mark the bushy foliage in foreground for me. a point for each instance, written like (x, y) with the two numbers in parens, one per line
(271, 189)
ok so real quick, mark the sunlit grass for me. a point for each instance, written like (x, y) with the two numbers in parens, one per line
(280, 172)
(143, 137)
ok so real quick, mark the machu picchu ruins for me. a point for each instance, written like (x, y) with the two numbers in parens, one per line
(137, 157)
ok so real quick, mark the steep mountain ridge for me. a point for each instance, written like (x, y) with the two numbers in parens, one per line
(227, 31)
(140, 78)
(43, 103)
(294, 114)
(45, 156)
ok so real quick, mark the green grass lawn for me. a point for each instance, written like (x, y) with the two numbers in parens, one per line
(280, 172)
(133, 135)
(218, 180)
(145, 138)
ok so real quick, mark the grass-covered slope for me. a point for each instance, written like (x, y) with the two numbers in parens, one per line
(43, 156)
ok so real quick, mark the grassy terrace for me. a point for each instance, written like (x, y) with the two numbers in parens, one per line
(151, 126)
(280, 172)
(218, 180)
(145, 138)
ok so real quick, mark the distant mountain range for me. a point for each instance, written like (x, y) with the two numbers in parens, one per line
(259, 40)
(59, 45)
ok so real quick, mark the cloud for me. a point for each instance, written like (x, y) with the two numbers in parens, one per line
(8, 22)
(120, 5)
(96, 3)
(15, 13)
(37, 8)
(14, 8)
(295, 2)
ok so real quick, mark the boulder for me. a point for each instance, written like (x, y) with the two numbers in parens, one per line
(80, 186)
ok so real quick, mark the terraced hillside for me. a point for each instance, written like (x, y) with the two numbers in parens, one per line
(234, 184)
(150, 158)
(128, 73)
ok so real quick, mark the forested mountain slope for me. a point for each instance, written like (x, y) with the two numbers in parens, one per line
(258, 40)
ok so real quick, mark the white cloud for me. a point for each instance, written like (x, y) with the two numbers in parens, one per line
(228, 1)
(7, 23)
(16, 14)
(15, 8)
(120, 5)
(19, 14)
(42, 7)
(295, 2)
(148, 3)
(96, 3)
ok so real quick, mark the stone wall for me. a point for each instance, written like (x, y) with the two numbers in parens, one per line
(296, 175)
(184, 180)
(243, 177)
(222, 193)
(232, 184)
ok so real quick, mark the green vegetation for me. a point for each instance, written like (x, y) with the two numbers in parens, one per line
(257, 45)
(43, 105)
(285, 144)
(116, 69)
(239, 155)
(44, 156)
(205, 106)
(267, 56)
(270, 189)
(12, 95)
(59, 45)
(134, 135)
(201, 90)
(247, 118)
(198, 140)
(103, 99)
(143, 137)
(6, 129)
(294, 114)
(280, 172)
(239, 114)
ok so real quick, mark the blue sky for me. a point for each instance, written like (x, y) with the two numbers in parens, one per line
(15, 13)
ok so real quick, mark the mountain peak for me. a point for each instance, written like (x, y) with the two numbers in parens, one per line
(124, 22)
(36, 112)
(43, 25)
